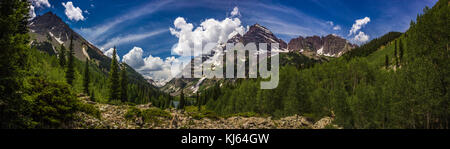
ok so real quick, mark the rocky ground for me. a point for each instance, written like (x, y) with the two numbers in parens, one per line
(113, 117)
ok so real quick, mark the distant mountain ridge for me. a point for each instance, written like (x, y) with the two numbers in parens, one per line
(330, 45)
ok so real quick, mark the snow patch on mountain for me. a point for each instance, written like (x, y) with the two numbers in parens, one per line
(57, 39)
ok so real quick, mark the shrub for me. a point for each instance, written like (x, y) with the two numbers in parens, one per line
(155, 112)
(116, 102)
(203, 113)
(89, 109)
(53, 103)
(149, 115)
(132, 112)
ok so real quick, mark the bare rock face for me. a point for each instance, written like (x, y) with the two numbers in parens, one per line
(260, 34)
(331, 45)
(325, 123)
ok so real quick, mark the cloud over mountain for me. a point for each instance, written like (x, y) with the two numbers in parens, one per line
(358, 25)
(361, 37)
(109, 53)
(209, 31)
(150, 67)
(37, 4)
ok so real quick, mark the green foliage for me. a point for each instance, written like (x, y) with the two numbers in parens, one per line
(151, 115)
(13, 63)
(195, 113)
(70, 72)
(182, 101)
(89, 109)
(401, 50)
(123, 85)
(155, 112)
(86, 79)
(386, 61)
(114, 90)
(62, 56)
(53, 103)
(132, 113)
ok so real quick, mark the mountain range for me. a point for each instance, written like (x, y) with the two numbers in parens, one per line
(315, 48)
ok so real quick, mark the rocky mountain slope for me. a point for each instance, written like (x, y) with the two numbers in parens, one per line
(50, 28)
(331, 45)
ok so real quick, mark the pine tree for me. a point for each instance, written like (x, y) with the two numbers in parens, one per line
(86, 78)
(62, 56)
(123, 84)
(13, 62)
(387, 61)
(182, 102)
(401, 51)
(171, 101)
(92, 96)
(70, 72)
(114, 90)
(198, 102)
(395, 54)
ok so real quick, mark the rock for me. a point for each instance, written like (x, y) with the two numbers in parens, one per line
(322, 123)
(330, 45)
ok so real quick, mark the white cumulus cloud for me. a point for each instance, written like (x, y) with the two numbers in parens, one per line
(110, 52)
(337, 27)
(32, 12)
(72, 12)
(40, 3)
(150, 67)
(333, 26)
(37, 4)
(209, 31)
(361, 37)
(134, 57)
(235, 12)
(358, 25)
(331, 23)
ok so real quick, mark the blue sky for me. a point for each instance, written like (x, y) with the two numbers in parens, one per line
(146, 24)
